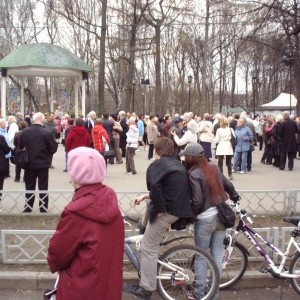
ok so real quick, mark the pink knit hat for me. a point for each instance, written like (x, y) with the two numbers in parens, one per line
(86, 166)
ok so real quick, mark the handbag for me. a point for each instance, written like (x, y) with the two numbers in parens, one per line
(108, 153)
(51, 294)
(232, 139)
(226, 215)
(22, 158)
(252, 148)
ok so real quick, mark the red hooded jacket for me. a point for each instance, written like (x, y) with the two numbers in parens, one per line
(77, 137)
(98, 133)
(88, 246)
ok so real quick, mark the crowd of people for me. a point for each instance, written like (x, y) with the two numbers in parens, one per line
(182, 181)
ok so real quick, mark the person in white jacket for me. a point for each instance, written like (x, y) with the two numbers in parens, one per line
(190, 136)
(223, 139)
(206, 135)
(11, 131)
(132, 144)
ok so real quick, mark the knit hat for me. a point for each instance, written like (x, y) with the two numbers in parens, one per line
(86, 166)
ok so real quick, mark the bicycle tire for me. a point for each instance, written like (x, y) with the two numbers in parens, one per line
(183, 256)
(295, 268)
(236, 266)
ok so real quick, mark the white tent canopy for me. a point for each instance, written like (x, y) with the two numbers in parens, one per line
(283, 102)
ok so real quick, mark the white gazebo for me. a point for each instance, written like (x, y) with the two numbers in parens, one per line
(283, 102)
(43, 60)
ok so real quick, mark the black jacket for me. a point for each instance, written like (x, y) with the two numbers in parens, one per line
(287, 131)
(200, 197)
(108, 126)
(124, 126)
(4, 149)
(40, 145)
(168, 183)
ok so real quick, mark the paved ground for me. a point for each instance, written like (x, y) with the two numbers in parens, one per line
(245, 294)
(262, 177)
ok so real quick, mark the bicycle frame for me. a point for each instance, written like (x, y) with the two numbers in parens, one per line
(133, 257)
(250, 233)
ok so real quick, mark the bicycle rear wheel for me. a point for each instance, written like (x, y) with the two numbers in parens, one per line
(235, 267)
(170, 284)
(295, 269)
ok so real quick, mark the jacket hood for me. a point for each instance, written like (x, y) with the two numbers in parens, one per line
(192, 126)
(208, 123)
(95, 202)
(79, 130)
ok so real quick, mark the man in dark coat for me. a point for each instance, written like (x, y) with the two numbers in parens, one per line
(287, 131)
(123, 136)
(89, 124)
(41, 146)
(168, 183)
(108, 126)
(177, 127)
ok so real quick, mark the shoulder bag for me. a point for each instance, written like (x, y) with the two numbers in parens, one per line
(226, 215)
(233, 139)
(21, 157)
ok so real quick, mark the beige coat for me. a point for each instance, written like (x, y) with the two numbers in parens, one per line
(152, 132)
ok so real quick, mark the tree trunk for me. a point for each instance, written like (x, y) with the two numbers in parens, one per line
(101, 72)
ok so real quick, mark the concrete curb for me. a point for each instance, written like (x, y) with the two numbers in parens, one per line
(44, 280)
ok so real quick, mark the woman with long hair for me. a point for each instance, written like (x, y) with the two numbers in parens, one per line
(208, 186)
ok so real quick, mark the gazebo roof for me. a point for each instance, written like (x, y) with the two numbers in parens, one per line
(43, 59)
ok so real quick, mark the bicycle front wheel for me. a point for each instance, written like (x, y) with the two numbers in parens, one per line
(179, 276)
(235, 267)
(295, 269)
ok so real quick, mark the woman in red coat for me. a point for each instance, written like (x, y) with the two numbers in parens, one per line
(88, 245)
(98, 134)
(78, 136)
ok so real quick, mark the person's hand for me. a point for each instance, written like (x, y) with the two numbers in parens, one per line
(173, 133)
(137, 200)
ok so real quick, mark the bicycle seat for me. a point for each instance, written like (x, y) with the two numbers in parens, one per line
(294, 220)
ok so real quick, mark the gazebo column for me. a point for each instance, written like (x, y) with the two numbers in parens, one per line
(51, 94)
(3, 97)
(83, 98)
(76, 95)
(22, 96)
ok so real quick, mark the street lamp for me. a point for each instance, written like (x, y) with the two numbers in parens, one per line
(190, 80)
(133, 87)
(254, 87)
(289, 61)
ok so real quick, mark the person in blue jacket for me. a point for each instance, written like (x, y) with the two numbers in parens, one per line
(244, 138)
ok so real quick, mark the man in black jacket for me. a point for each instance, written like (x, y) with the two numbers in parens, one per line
(40, 146)
(108, 126)
(168, 183)
(287, 131)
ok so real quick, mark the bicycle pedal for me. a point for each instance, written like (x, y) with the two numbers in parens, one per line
(264, 269)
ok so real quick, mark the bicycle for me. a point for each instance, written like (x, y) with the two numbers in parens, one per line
(235, 258)
(176, 278)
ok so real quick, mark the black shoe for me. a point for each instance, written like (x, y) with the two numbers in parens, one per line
(262, 161)
(137, 290)
(65, 170)
(17, 180)
(141, 227)
(281, 169)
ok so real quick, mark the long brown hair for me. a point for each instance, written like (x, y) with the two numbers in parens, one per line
(210, 173)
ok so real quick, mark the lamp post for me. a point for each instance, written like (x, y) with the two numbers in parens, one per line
(289, 61)
(133, 87)
(254, 87)
(145, 82)
(190, 80)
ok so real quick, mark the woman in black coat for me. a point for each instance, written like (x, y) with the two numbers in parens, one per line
(4, 149)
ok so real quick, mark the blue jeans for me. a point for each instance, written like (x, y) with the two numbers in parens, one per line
(237, 156)
(209, 235)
